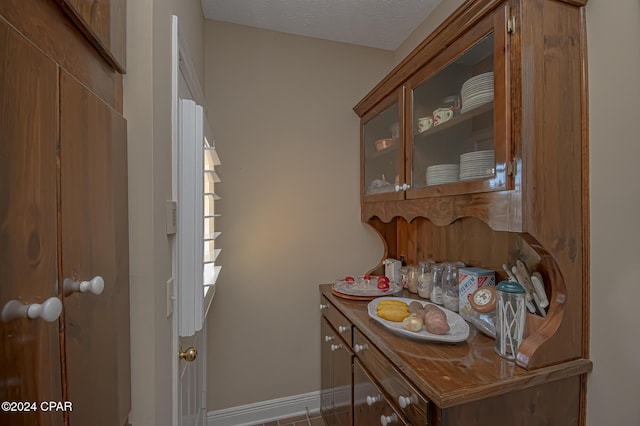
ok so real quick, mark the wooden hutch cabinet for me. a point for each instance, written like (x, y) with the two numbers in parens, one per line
(474, 148)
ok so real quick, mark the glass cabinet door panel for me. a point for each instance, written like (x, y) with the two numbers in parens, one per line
(458, 132)
(383, 150)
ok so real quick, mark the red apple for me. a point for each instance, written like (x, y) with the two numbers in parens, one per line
(349, 279)
(383, 285)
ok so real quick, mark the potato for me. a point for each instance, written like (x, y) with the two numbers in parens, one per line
(435, 320)
(415, 307)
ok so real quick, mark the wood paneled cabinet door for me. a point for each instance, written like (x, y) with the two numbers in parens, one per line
(370, 407)
(63, 216)
(336, 357)
(94, 234)
(103, 23)
(29, 348)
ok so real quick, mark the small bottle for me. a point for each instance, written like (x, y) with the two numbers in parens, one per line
(436, 283)
(412, 278)
(510, 318)
(425, 279)
(450, 291)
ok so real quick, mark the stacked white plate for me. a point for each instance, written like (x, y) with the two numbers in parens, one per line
(476, 165)
(442, 173)
(476, 91)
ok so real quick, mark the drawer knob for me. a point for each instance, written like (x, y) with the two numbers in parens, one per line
(405, 401)
(342, 328)
(336, 347)
(329, 338)
(359, 348)
(373, 399)
(323, 306)
(49, 310)
(387, 420)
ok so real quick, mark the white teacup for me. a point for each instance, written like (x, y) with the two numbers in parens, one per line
(441, 115)
(425, 123)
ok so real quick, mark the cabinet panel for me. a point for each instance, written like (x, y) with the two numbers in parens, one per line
(335, 403)
(382, 150)
(457, 115)
(29, 358)
(369, 403)
(103, 22)
(94, 235)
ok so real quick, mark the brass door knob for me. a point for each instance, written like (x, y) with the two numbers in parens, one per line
(189, 355)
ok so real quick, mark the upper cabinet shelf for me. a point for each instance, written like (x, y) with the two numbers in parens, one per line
(446, 126)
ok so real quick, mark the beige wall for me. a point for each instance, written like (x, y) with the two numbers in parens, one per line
(614, 69)
(280, 110)
(147, 108)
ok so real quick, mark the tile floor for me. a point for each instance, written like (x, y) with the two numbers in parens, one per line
(312, 419)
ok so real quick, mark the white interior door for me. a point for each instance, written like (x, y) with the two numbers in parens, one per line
(187, 303)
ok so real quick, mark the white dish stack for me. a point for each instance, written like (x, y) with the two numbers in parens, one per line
(477, 164)
(442, 173)
(476, 91)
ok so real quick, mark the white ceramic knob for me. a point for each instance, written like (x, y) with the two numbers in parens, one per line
(95, 286)
(398, 188)
(329, 338)
(387, 420)
(404, 401)
(359, 348)
(49, 311)
(322, 307)
(373, 399)
(336, 347)
(342, 328)
(405, 186)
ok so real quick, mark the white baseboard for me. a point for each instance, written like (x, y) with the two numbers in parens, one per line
(266, 411)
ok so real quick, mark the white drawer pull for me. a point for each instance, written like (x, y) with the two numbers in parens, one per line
(329, 338)
(359, 348)
(342, 328)
(49, 311)
(336, 347)
(95, 286)
(323, 306)
(387, 420)
(405, 401)
(373, 399)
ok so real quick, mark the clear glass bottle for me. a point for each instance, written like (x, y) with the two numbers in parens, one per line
(436, 283)
(510, 318)
(425, 279)
(412, 278)
(450, 291)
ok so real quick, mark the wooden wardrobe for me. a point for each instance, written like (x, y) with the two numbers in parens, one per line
(63, 211)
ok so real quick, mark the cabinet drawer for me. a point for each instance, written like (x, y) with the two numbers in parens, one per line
(338, 321)
(401, 393)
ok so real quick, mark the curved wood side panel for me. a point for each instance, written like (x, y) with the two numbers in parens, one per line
(383, 230)
(551, 324)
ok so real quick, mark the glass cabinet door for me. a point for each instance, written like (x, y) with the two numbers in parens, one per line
(457, 121)
(382, 171)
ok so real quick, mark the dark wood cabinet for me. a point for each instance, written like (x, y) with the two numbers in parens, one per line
(416, 382)
(64, 217)
(530, 200)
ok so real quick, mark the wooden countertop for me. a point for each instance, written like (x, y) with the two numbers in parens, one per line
(451, 374)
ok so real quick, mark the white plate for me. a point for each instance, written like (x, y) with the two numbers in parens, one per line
(361, 288)
(459, 329)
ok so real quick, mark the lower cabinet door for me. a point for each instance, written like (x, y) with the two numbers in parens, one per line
(336, 389)
(369, 404)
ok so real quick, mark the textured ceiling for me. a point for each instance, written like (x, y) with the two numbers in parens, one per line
(384, 24)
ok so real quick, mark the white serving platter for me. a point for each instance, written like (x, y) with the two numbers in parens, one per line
(459, 329)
